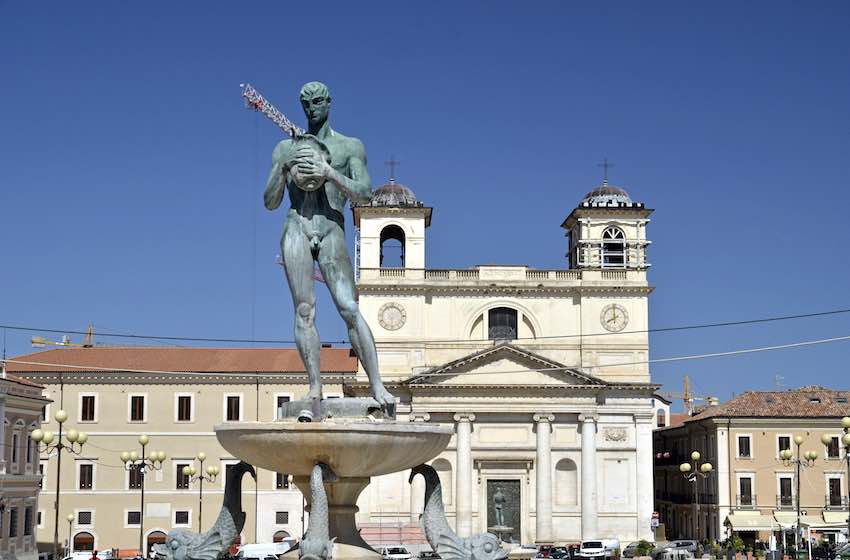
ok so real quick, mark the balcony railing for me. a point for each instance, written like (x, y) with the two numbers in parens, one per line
(835, 502)
(785, 501)
(745, 501)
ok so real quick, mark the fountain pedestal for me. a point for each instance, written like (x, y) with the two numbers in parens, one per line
(355, 448)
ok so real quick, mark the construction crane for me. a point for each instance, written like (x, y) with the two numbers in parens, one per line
(88, 341)
(688, 398)
(254, 100)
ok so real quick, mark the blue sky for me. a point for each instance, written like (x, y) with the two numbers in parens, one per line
(131, 175)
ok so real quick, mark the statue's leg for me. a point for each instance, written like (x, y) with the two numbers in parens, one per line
(339, 276)
(298, 264)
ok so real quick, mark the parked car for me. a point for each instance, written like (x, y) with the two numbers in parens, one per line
(687, 544)
(86, 555)
(260, 551)
(629, 551)
(554, 552)
(523, 552)
(600, 549)
(395, 553)
(428, 555)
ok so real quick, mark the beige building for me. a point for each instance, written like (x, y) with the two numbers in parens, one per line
(543, 374)
(751, 490)
(116, 394)
(21, 404)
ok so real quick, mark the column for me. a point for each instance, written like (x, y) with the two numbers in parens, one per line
(643, 458)
(589, 500)
(543, 470)
(463, 493)
(417, 487)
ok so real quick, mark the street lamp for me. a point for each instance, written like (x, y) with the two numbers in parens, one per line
(693, 474)
(190, 471)
(70, 518)
(845, 441)
(75, 441)
(141, 463)
(808, 460)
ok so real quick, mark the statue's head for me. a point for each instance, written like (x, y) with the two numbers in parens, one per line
(316, 102)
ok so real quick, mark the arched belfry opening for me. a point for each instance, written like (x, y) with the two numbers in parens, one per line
(392, 247)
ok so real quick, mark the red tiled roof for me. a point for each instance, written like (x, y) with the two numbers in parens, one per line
(806, 402)
(21, 380)
(202, 360)
(677, 419)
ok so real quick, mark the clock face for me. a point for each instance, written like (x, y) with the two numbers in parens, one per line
(614, 317)
(392, 316)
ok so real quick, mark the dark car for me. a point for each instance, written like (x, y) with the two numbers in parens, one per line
(428, 555)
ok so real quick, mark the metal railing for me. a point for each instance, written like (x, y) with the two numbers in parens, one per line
(745, 501)
(835, 502)
(785, 501)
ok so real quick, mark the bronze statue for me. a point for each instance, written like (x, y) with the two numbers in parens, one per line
(321, 170)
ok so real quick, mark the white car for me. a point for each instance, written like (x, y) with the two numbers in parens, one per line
(603, 548)
(395, 553)
(86, 555)
(263, 551)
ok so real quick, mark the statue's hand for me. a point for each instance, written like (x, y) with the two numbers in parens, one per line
(310, 164)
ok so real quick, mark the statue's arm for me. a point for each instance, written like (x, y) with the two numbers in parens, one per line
(358, 187)
(276, 183)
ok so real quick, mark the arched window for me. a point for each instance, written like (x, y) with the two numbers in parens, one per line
(280, 536)
(155, 537)
(392, 247)
(613, 247)
(566, 483)
(661, 418)
(83, 541)
(444, 471)
(502, 323)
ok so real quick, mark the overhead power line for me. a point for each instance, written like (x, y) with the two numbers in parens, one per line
(434, 340)
(640, 362)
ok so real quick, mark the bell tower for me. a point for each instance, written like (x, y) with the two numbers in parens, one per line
(607, 230)
(391, 231)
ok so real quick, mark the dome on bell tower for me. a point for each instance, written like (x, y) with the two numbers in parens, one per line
(394, 194)
(606, 195)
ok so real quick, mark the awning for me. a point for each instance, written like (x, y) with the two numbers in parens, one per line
(750, 521)
(785, 519)
(835, 517)
(822, 523)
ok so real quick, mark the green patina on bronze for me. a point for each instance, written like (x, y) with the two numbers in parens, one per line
(321, 170)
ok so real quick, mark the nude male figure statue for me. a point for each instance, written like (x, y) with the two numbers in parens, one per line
(315, 231)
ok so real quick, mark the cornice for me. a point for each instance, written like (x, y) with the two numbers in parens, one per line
(517, 290)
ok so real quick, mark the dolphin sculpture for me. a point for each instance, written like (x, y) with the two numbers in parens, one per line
(317, 544)
(182, 544)
(440, 536)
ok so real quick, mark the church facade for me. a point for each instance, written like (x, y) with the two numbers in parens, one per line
(543, 373)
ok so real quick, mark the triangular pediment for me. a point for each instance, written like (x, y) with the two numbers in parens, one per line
(505, 365)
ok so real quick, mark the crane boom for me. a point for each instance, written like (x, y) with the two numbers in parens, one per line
(254, 100)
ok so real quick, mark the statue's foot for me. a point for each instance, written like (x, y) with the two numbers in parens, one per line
(385, 399)
(315, 394)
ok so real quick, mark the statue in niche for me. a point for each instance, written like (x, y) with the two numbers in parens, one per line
(498, 506)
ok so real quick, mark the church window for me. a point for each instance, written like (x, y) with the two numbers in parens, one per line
(613, 247)
(566, 482)
(444, 471)
(392, 247)
(502, 323)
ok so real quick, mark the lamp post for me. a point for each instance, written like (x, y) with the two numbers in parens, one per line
(141, 463)
(845, 442)
(693, 474)
(190, 471)
(789, 459)
(70, 518)
(75, 441)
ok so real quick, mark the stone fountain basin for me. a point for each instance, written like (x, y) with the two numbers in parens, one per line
(350, 448)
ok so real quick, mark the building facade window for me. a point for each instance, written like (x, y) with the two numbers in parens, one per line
(613, 247)
(502, 323)
(134, 479)
(185, 407)
(281, 517)
(834, 496)
(782, 443)
(88, 408)
(745, 491)
(28, 521)
(13, 522)
(281, 481)
(786, 492)
(744, 450)
(15, 444)
(134, 518)
(279, 402)
(183, 480)
(181, 518)
(85, 518)
(138, 412)
(233, 408)
(85, 476)
(832, 450)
